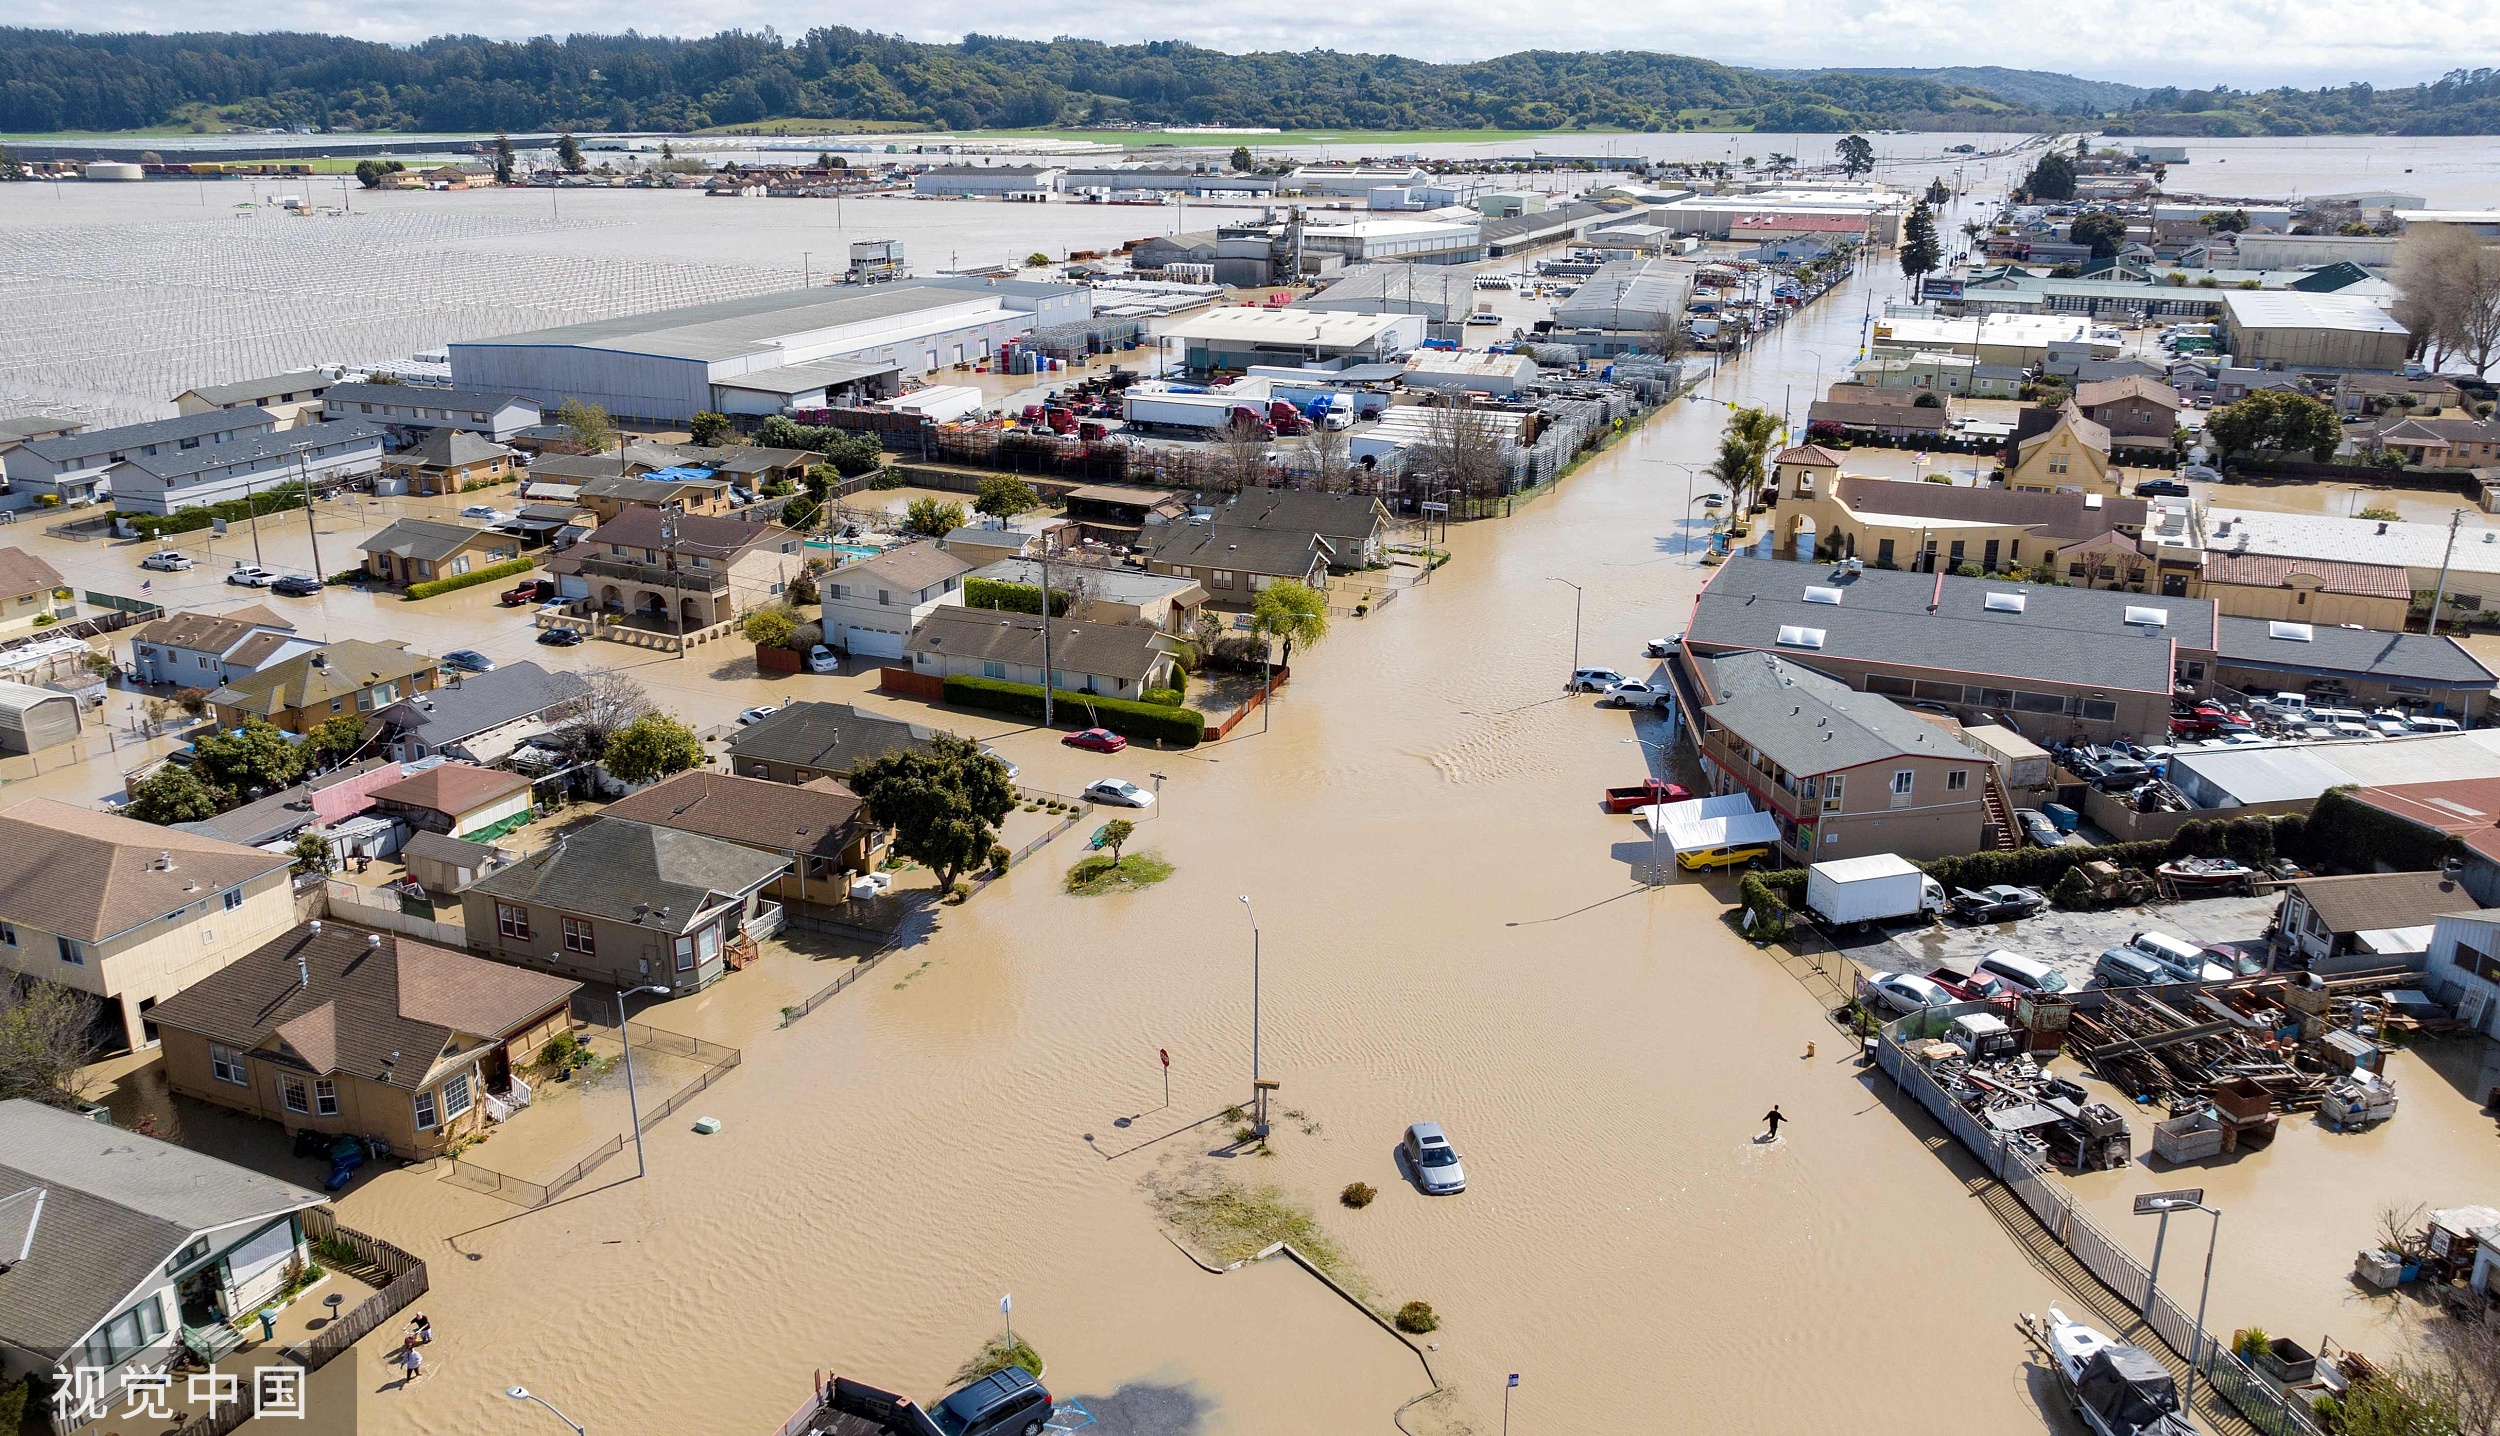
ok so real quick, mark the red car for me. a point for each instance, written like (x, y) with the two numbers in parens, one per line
(1101, 740)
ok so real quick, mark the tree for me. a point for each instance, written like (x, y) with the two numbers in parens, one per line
(193, 701)
(650, 748)
(933, 518)
(569, 154)
(369, 172)
(1241, 455)
(1938, 192)
(587, 425)
(707, 428)
(250, 760)
(312, 854)
(335, 740)
(1242, 160)
(1856, 154)
(1037, 260)
(2450, 281)
(2105, 233)
(770, 628)
(613, 701)
(2053, 178)
(944, 803)
(1743, 445)
(172, 795)
(2276, 421)
(503, 158)
(1332, 459)
(1463, 449)
(2225, 221)
(12, 169)
(1921, 252)
(1293, 611)
(1005, 497)
(1115, 835)
(47, 1039)
(825, 160)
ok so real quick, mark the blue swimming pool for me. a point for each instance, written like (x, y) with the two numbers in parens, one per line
(848, 550)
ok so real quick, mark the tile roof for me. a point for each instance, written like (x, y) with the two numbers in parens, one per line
(372, 997)
(342, 668)
(833, 736)
(429, 539)
(2367, 902)
(90, 875)
(909, 567)
(2070, 517)
(1109, 650)
(452, 788)
(1809, 723)
(2363, 652)
(658, 878)
(22, 572)
(1814, 454)
(2266, 570)
(813, 818)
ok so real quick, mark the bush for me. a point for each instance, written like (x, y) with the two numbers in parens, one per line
(2072, 892)
(1769, 897)
(1000, 857)
(472, 578)
(1358, 1195)
(1416, 1318)
(1182, 727)
(1163, 697)
(1013, 597)
(182, 521)
(194, 701)
(769, 628)
(888, 479)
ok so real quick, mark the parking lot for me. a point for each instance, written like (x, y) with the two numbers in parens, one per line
(2069, 941)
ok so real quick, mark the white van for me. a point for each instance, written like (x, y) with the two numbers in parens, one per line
(2025, 973)
(2183, 960)
(2421, 723)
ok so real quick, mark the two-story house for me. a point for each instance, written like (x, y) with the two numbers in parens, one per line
(446, 461)
(121, 1246)
(870, 606)
(170, 480)
(819, 827)
(2140, 413)
(804, 741)
(211, 650)
(1845, 773)
(69, 469)
(329, 1028)
(410, 551)
(292, 399)
(30, 590)
(623, 904)
(353, 675)
(2059, 448)
(687, 491)
(128, 912)
(669, 569)
(410, 411)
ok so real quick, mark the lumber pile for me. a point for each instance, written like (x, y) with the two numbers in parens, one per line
(2153, 1050)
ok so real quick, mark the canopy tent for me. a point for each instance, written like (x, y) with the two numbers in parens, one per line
(1729, 820)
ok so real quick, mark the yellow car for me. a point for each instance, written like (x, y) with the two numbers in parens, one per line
(1727, 857)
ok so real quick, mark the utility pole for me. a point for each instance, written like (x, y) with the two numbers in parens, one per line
(2439, 593)
(674, 600)
(1046, 675)
(251, 515)
(304, 473)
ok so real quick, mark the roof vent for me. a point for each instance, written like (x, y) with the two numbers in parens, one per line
(1818, 593)
(2489, 536)
(314, 927)
(2148, 615)
(373, 942)
(2293, 632)
(1793, 636)
(2382, 525)
(2091, 501)
(2006, 602)
(164, 862)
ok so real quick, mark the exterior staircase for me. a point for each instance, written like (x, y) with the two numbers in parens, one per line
(2000, 812)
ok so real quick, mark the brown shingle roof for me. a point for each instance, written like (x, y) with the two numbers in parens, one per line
(2266, 570)
(22, 572)
(209, 632)
(2369, 902)
(345, 667)
(372, 997)
(910, 568)
(2130, 386)
(453, 788)
(697, 534)
(815, 818)
(89, 875)
(1875, 416)
(1109, 650)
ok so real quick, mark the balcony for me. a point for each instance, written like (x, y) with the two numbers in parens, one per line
(765, 923)
(655, 576)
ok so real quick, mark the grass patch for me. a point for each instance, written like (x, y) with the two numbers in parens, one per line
(997, 1354)
(1098, 874)
(1228, 1221)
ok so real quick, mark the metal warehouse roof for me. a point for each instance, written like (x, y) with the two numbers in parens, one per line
(753, 324)
(1286, 326)
(2261, 773)
(2300, 309)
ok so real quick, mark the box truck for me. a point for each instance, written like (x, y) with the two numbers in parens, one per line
(1880, 887)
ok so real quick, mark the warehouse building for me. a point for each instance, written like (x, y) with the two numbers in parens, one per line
(1354, 181)
(1873, 212)
(1439, 293)
(1150, 180)
(767, 353)
(1024, 182)
(1640, 298)
(1234, 339)
(1412, 241)
(2273, 328)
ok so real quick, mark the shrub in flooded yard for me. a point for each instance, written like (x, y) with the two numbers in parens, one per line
(1416, 1317)
(997, 1354)
(1358, 1195)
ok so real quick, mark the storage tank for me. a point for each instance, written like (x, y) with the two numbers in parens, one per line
(114, 170)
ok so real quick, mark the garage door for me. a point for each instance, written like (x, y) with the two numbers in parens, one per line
(872, 643)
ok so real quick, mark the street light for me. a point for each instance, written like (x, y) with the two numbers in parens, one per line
(1258, 1093)
(2189, 1199)
(632, 1106)
(1575, 618)
(1657, 868)
(523, 1393)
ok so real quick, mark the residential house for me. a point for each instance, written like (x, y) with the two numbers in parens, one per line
(751, 467)
(1116, 513)
(1232, 562)
(870, 606)
(682, 490)
(120, 1246)
(210, 650)
(2445, 443)
(2141, 414)
(32, 591)
(558, 525)
(1892, 523)
(1115, 660)
(459, 800)
(332, 1029)
(572, 472)
(447, 461)
(801, 742)
(478, 717)
(128, 912)
(353, 675)
(2381, 914)
(177, 478)
(1845, 773)
(2357, 395)
(624, 904)
(2059, 448)
(1873, 418)
(1107, 594)
(818, 827)
(20, 429)
(332, 803)
(413, 551)
(68, 469)
(292, 400)
(410, 410)
(987, 540)
(1350, 528)
(2262, 585)
(713, 568)
(443, 864)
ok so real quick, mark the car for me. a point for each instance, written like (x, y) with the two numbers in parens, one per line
(2161, 489)
(2201, 473)
(2183, 960)
(250, 576)
(2240, 961)
(2019, 972)
(1119, 793)
(1433, 1160)
(1007, 1402)
(1596, 680)
(560, 637)
(821, 659)
(2037, 827)
(1003, 761)
(1098, 740)
(296, 585)
(1906, 993)
(468, 660)
(1730, 855)
(167, 560)
(1637, 694)
(756, 714)
(488, 512)
(1663, 647)
(1999, 902)
(530, 590)
(1713, 500)
(2204, 401)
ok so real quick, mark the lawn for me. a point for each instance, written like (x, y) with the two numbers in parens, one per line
(1093, 876)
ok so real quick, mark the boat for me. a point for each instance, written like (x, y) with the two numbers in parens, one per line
(2205, 872)
(2118, 1390)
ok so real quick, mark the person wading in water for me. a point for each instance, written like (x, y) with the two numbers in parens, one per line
(1773, 1118)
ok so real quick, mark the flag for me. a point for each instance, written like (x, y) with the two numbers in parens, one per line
(1514, 1378)
(147, 585)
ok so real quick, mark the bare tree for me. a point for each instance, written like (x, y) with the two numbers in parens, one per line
(1463, 448)
(47, 1038)
(2450, 281)
(1241, 456)
(1332, 462)
(613, 701)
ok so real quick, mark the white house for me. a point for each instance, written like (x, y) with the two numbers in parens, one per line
(70, 468)
(414, 409)
(211, 650)
(1115, 660)
(871, 605)
(2464, 969)
(163, 482)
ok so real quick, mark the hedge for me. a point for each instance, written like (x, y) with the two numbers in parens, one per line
(472, 578)
(182, 521)
(1013, 597)
(1183, 727)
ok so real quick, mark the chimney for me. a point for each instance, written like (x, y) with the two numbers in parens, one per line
(303, 969)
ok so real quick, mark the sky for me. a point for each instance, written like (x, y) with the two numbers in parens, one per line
(2246, 43)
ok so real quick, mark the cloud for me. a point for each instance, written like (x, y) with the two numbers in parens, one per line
(2246, 43)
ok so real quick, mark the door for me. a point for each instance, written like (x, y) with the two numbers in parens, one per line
(872, 643)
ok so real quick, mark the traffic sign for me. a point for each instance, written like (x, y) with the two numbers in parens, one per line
(2155, 1203)
(1165, 1055)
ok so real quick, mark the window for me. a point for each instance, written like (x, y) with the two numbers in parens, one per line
(128, 1334)
(577, 937)
(512, 921)
(325, 1097)
(1902, 779)
(710, 943)
(1222, 577)
(2100, 710)
(685, 954)
(291, 1092)
(2477, 963)
(426, 1120)
(233, 899)
(187, 1256)
(993, 670)
(1957, 780)
(72, 951)
(226, 1065)
(1831, 793)
(456, 1099)
(8, 933)
(1883, 553)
